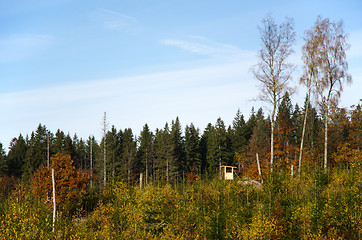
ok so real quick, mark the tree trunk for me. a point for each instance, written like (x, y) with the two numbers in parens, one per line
(141, 180)
(325, 138)
(129, 166)
(259, 170)
(146, 169)
(48, 154)
(272, 140)
(113, 174)
(54, 202)
(167, 171)
(303, 133)
(287, 151)
(104, 152)
(91, 162)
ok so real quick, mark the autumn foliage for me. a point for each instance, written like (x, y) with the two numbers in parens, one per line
(69, 182)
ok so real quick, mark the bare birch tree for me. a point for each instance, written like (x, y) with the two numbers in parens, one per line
(311, 62)
(332, 66)
(273, 71)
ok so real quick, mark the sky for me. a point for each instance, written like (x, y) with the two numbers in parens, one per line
(63, 63)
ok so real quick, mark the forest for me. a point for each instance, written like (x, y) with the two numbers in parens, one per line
(166, 184)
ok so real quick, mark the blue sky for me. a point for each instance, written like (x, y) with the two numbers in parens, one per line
(64, 63)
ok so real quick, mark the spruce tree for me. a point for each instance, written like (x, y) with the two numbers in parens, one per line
(259, 142)
(3, 163)
(204, 148)
(179, 146)
(36, 154)
(129, 153)
(68, 146)
(284, 133)
(240, 133)
(217, 147)
(58, 145)
(164, 160)
(114, 152)
(16, 156)
(144, 153)
(192, 148)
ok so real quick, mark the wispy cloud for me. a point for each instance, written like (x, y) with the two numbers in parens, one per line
(113, 20)
(195, 95)
(19, 47)
(203, 46)
(117, 14)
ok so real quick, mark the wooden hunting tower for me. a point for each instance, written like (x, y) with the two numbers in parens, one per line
(227, 172)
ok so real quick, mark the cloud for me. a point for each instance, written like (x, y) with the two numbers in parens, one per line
(112, 20)
(117, 14)
(204, 46)
(195, 95)
(22, 46)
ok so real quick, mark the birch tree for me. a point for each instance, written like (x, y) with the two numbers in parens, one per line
(310, 75)
(273, 70)
(331, 42)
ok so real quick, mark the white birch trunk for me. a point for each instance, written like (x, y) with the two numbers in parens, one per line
(303, 133)
(91, 162)
(141, 180)
(325, 138)
(54, 202)
(259, 169)
(48, 150)
(272, 144)
(104, 152)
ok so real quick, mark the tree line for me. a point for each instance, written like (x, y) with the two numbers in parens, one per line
(173, 154)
